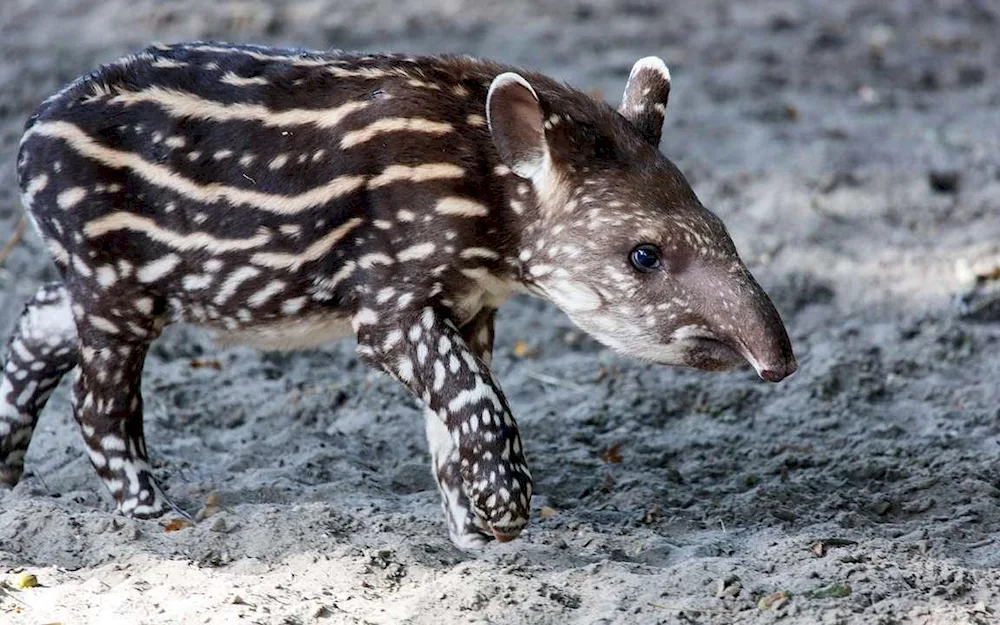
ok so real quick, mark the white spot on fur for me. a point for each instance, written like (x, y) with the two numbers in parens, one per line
(416, 173)
(393, 124)
(416, 252)
(81, 266)
(392, 339)
(262, 296)
(151, 272)
(106, 275)
(278, 162)
(197, 282)
(460, 207)
(384, 295)
(479, 252)
(294, 305)
(70, 197)
(112, 442)
(369, 260)
(231, 78)
(365, 317)
(404, 369)
(233, 282)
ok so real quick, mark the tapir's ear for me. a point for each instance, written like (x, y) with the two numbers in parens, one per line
(515, 120)
(645, 99)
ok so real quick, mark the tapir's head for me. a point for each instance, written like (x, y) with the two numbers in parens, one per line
(621, 243)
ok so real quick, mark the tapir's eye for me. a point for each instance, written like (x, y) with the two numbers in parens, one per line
(645, 258)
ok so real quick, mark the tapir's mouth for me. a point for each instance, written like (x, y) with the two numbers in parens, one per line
(709, 354)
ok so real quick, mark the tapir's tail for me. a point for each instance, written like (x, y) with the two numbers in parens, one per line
(41, 351)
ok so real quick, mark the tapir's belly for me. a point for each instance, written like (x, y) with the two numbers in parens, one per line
(293, 333)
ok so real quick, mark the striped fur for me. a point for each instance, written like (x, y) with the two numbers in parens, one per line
(285, 198)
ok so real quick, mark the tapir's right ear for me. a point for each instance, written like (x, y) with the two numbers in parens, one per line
(515, 121)
(644, 102)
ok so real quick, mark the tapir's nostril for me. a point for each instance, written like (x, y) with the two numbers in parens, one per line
(770, 375)
(778, 374)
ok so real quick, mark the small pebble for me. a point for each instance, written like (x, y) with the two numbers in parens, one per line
(969, 75)
(571, 338)
(943, 180)
(868, 95)
(728, 587)
(781, 23)
(131, 532)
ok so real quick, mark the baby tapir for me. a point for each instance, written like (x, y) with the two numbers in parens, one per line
(286, 198)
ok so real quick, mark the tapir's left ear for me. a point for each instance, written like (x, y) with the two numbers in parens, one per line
(514, 116)
(645, 99)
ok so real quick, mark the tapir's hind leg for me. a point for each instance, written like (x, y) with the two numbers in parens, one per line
(107, 403)
(41, 351)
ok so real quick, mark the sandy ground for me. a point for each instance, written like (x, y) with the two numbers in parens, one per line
(813, 128)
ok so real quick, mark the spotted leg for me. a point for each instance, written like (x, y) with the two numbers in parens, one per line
(467, 529)
(107, 404)
(41, 351)
(431, 357)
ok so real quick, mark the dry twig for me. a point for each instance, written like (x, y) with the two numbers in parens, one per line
(14, 239)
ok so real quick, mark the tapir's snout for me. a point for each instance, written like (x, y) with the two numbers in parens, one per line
(742, 317)
(760, 335)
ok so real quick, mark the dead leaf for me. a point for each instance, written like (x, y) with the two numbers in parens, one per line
(15, 238)
(774, 600)
(819, 548)
(523, 350)
(612, 455)
(202, 363)
(547, 512)
(210, 508)
(652, 515)
(177, 524)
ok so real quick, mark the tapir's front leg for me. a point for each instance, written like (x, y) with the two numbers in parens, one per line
(427, 353)
(466, 528)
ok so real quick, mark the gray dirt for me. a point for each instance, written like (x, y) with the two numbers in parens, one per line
(852, 148)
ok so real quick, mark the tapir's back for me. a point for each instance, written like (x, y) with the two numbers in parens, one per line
(272, 160)
(211, 112)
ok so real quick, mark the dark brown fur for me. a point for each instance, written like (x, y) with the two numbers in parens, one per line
(285, 198)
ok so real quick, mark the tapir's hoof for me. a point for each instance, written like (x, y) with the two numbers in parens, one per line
(506, 534)
(9, 477)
